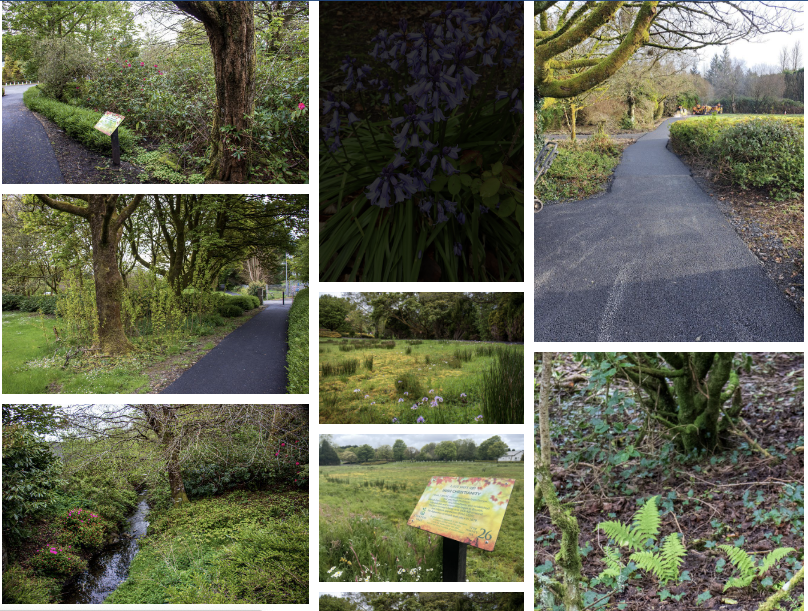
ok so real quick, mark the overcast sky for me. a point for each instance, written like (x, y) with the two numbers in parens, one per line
(515, 442)
(765, 51)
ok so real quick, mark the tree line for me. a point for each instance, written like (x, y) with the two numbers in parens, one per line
(454, 316)
(458, 449)
(423, 601)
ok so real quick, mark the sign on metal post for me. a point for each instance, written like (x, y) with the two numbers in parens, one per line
(108, 124)
(465, 511)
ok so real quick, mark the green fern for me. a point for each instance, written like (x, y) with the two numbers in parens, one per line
(746, 566)
(645, 527)
(644, 530)
(613, 562)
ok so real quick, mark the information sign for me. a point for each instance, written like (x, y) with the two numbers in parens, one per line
(466, 509)
(109, 123)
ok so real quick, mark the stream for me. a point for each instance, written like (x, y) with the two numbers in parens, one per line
(110, 568)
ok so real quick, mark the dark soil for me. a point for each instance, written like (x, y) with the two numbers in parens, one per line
(773, 231)
(80, 165)
(737, 496)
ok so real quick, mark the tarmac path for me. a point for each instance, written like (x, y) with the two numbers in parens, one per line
(251, 360)
(653, 259)
(28, 157)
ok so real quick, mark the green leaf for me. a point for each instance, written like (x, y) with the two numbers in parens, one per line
(496, 168)
(438, 184)
(490, 187)
(475, 185)
(465, 179)
(703, 597)
(454, 184)
(506, 207)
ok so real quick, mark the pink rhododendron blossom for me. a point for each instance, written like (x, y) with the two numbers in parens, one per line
(301, 106)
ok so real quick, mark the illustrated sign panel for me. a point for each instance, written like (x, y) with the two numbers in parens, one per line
(466, 509)
(109, 123)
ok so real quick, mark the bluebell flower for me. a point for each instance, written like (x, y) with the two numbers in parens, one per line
(461, 218)
(389, 183)
(458, 249)
(442, 218)
(484, 209)
(451, 207)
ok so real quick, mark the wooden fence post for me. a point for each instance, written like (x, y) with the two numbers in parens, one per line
(116, 148)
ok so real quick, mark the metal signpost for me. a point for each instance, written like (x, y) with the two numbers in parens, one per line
(464, 511)
(108, 124)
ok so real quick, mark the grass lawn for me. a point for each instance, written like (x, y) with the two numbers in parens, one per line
(244, 547)
(362, 381)
(34, 361)
(364, 533)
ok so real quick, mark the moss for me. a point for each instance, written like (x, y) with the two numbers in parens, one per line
(170, 160)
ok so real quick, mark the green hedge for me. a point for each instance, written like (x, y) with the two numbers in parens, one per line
(762, 153)
(297, 358)
(34, 303)
(230, 311)
(77, 122)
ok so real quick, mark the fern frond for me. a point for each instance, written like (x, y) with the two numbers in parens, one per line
(773, 556)
(738, 582)
(622, 534)
(613, 563)
(673, 554)
(741, 560)
(646, 521)
(648, 561)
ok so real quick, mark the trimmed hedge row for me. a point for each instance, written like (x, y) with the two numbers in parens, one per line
(297, 358)
(77, 122)
(231, 306)
(34, 303)
(762, 153)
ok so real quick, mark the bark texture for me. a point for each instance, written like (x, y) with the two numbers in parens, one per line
(163, 421)
(230, 27)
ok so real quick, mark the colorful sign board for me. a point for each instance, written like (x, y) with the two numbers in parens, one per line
(466, 509)
(109, 123)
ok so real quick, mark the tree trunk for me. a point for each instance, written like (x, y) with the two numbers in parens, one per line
(106, 228)
(108, 283)
(231, 31)
(544, 407)
(175, 482)
(163, 420)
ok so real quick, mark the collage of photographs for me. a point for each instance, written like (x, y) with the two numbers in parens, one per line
(174, 191)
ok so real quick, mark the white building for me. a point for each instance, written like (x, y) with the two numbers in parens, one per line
(512, 456)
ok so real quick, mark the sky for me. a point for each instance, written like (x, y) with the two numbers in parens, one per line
(765, 51)
(515, 442)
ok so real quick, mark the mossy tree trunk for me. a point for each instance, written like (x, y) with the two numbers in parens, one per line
(231, 32)
(163, 421)
(106, 227)
(569, 558)
(686, 393)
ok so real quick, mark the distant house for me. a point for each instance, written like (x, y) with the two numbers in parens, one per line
(512, 456)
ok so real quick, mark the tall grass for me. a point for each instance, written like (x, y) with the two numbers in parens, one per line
(346, 367)
(346, 347)
(389, 345)
(368, 362)
(411, 384)
(464, 355)
(503, 385)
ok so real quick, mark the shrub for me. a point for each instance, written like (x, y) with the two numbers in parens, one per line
(56, 560)
(245, 302)
(346, 347)
(38, 303)
(11, 302)
(503, 389)
(761, 153)
(414, 342)
(368, 362)
(230, 311)
(256, 289)
(408, 350)
(23, 587)
(83, 528)
(77, 122)
(212, 319)
(297, 358)
(323, 332)
(346, 367)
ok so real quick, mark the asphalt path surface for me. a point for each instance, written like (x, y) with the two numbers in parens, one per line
(653, 259)
(28, 157)
(251, 360)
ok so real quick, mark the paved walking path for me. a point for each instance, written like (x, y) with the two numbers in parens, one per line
(28, 157)
(654, 259)
(251, 360)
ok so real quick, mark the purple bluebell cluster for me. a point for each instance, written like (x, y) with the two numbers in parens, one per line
(440, 63)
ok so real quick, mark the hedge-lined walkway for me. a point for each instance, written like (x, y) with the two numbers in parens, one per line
(28, 157)
(251, 360)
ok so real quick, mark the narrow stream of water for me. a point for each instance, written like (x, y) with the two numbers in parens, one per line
(110, 568)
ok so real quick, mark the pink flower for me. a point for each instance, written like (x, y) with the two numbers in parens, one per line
(283, 444)
(297, 463)
(142, 64)
(155, 65)
(301, 106)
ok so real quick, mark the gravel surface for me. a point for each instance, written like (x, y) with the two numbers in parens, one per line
(653, 259)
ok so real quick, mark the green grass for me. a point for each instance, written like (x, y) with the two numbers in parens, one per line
(581, 170)
(242, 548)
(297, 358)
(32, 362)
(357, 526)
(797, 120)
(402, 377)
